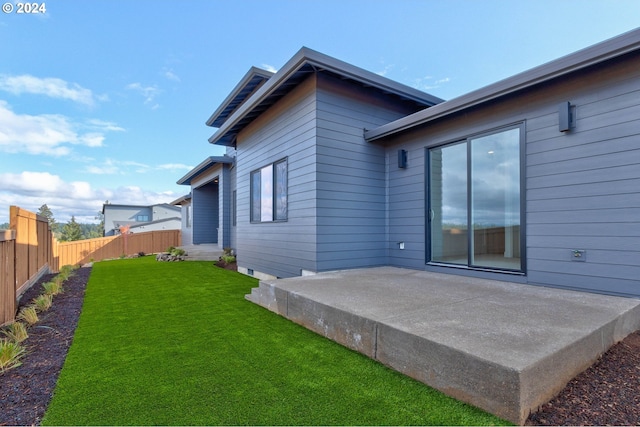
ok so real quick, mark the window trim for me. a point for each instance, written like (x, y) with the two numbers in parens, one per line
(253, 197)
(466, 140)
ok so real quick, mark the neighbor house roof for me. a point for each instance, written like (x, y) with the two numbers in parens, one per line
(305, 62)
(206, 164)
(598, 53)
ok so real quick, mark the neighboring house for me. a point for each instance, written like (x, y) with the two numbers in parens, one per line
(140, 218)
(534, 179)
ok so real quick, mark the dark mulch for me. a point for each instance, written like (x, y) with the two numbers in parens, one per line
(606, 393)
(26, 391)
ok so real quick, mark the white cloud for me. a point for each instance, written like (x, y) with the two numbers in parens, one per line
(48, 134)
(149, 93)
(385, 70)
(174, 167)
(269, 68)
(30, 190)
(170, 75)
(429, 83)
(49, 86)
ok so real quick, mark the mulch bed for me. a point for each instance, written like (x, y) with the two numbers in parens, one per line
(608, 393)
(26, 391)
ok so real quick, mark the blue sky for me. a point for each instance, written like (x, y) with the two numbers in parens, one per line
(107, 99)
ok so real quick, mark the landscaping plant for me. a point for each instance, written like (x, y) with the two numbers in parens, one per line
(43, 302)
(10, 354)
(29, 315)
(16, 332)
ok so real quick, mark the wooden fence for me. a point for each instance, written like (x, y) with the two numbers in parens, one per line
(84, 251)
(28, 250)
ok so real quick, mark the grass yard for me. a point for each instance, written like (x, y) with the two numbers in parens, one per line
(177, 344)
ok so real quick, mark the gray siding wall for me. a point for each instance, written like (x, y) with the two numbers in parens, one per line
(351, 184)
(187, 219)
(205, 214)
(582, 188)
(336, 180)
(287, 129)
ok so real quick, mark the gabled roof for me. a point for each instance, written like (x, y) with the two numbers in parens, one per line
(206, 164)
(305, 62)
(596, 54)
(254, 78)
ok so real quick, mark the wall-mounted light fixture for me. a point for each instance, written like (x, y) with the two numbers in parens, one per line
(564, 117)
(402, 159)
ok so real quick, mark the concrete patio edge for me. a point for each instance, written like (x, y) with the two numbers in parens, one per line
(506, 348)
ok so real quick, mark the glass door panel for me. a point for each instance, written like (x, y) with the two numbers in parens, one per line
(448, 204)
(474, 202)
(495, 200)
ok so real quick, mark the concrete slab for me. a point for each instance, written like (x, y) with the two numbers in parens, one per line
(504, 347)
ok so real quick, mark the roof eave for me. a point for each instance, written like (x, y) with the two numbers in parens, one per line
(598, 53)
(203, 166)
(321, 62)
(248, 77)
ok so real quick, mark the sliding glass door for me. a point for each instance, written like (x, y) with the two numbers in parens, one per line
(474, 202)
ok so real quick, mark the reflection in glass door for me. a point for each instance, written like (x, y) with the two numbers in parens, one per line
(474, 202)
(448, 204)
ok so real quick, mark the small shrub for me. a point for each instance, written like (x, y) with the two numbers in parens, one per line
(141, 254)
(52, 288)
(229, 259)
(16, 332)
(43, 302)
(177, 252)
(170, 249)
(29, 315)
(66, 271)
(10, 355)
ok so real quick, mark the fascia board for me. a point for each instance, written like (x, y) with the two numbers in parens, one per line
(609, 49)
(203, 166)
(253, 71)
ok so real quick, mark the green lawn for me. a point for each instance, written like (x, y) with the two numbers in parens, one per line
(177, 344)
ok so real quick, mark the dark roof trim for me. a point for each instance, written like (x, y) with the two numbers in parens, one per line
(598, 53)
(180, 200)
(251, 81)
(206, 164)
(303, 63)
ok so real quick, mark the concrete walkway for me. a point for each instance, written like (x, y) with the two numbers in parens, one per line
(202, 252)
(506, 348)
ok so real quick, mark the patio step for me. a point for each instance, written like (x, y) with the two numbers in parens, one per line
(204, 252)
(504, 347)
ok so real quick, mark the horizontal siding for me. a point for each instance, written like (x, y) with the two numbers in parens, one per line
(351, 180)
(582, 187)
(287, 129)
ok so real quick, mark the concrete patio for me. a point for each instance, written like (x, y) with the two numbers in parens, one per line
(506, 348)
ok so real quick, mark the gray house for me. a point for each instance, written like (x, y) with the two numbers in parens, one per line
(140, 218)
(534, 179)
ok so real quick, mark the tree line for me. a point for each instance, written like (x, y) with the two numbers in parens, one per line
(70, 231)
